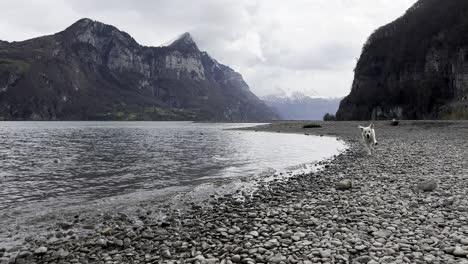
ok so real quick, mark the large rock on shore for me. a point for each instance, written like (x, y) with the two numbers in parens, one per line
(428, 185)
(344, 185)
(40, 250)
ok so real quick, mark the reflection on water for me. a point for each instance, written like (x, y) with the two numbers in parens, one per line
(58, 164)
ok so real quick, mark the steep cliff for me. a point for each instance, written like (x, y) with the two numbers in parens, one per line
(415, 67)
(93, 71)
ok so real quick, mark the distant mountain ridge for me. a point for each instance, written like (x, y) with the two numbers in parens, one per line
(93, 71)
(415, 67)
(298, 106)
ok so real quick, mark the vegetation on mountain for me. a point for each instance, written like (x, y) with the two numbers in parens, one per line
(93, 71)
(415, 67)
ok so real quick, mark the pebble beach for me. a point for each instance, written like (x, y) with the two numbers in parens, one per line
(407, 203)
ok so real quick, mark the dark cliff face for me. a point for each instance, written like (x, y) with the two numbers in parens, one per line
(93, 71)
(415, 67)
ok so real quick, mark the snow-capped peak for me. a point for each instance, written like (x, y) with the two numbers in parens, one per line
(298, 96)
(288, 94)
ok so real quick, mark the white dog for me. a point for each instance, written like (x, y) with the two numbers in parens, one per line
(368, 135)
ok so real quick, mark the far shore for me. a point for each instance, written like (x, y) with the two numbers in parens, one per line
(383, 218)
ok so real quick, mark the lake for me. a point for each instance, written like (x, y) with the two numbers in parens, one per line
(48, 167)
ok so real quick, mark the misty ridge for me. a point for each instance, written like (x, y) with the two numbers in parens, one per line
(301, 107)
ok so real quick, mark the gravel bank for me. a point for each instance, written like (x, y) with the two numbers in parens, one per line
(383, 218)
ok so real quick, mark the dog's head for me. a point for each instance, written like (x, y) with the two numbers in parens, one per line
(367, 132)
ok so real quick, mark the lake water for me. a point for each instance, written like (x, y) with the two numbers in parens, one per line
(49, 166)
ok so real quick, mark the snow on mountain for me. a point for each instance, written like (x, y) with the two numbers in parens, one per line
(298, 106)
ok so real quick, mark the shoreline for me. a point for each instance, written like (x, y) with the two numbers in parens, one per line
(305, 219)
(79, 220)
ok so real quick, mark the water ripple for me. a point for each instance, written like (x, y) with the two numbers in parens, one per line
(48, 165)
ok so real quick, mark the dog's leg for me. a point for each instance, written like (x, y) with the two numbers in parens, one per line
(374, 139)
(368, 149)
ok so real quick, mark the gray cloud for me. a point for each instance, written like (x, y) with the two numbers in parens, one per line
(301, 45)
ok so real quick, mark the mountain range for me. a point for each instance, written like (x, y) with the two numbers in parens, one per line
(415, 67)
(297, 106)
(93, 71)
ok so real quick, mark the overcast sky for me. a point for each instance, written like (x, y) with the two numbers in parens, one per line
(309, 46)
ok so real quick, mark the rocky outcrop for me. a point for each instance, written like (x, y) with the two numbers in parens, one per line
(415, 67)
(93, 71)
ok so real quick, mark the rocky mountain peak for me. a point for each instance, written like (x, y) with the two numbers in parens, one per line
(93, 71)
(94, 32)
(82, 25)
(184, 42)
(85, 21)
